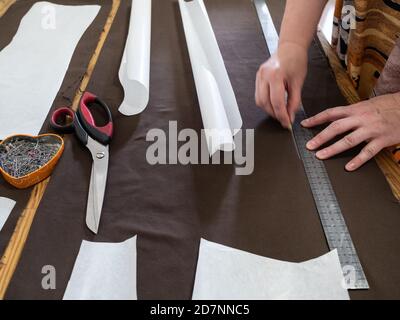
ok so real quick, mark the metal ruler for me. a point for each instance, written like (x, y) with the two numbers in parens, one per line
(333, 223)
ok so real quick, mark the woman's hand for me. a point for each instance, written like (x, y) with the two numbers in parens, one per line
(283, 73)
(375, 121)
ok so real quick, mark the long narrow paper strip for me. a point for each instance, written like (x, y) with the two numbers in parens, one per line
(104, 271)
(218, 105)
(33, 65)
(134, 72)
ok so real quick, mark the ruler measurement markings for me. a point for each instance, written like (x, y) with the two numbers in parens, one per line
(332, 220)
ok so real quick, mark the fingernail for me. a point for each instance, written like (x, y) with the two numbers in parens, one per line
(310, 145)
(350, 166)
(304, 122)
(321, 154)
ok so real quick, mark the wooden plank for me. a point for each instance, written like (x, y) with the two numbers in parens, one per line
(4, 5)
(390, 168)
(11, 257)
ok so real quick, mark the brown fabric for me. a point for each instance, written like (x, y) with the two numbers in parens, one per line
(270, 212)
(8, 25)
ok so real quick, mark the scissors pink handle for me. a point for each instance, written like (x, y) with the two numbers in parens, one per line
(101, 134)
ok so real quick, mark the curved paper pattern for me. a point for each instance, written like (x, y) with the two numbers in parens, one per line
(6, 206)
(218, 105)
(104, 271)
(134, 72)
(33, 65)
(231, 274)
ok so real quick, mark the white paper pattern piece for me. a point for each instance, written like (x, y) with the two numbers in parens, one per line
(6, 206)
(227, 273)
(134, 72)
(33, 65)
(218, 105)
(104, 271)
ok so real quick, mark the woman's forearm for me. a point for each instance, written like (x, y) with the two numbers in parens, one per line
(300, 21)
(280, 79)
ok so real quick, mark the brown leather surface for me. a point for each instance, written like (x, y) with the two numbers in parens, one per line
(170, 207)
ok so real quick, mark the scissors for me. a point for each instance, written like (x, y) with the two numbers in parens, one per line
(97, 140)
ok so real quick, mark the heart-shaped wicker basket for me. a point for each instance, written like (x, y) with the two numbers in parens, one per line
(44, 171)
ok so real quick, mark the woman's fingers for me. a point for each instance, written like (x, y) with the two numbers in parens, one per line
(257, 95)
(277, 93)
(294, 101)
(350, 141)
(262, 95)
(366, 154)
(328, 115)
(334, 129)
